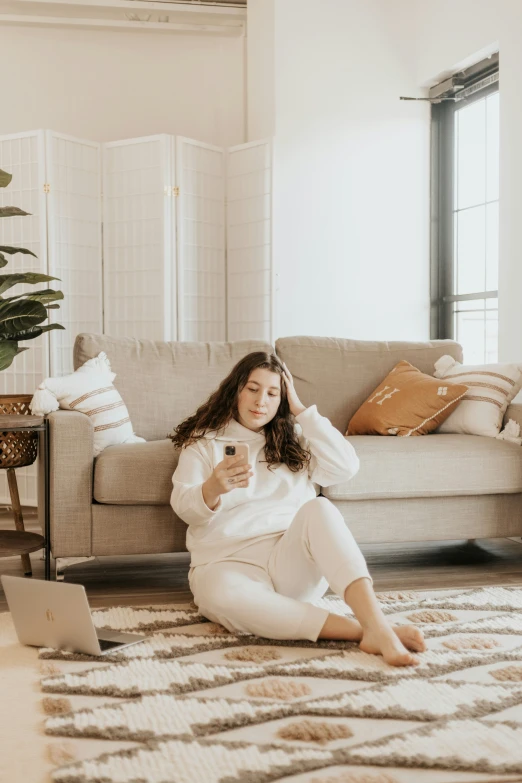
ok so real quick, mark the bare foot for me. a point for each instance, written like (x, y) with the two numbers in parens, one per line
(411, 637)
(384, 640)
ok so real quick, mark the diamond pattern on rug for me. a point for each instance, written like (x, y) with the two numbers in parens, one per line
(509, 623)
(167, 716)
(157, 646)
(502, 598)
(357, 777)
(294, 689)
(235, 763)
(141, 619)
(157, 619)
(422, 700)
(508, 674)
(475, 642)
(176, 645)
(431, 616)
(458, 745)
(438, 715)
(185, 676)
(357, 665)
(452, 620)
(160, 618)
(314, 731)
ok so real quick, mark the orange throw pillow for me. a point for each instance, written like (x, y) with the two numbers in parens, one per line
(407, 402)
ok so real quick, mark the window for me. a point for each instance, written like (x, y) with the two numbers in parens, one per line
(465, 198)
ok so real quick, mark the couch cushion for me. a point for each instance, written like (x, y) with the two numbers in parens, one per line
(430, 466)
(407, 403)
(133, 474)
(162, 383)
(338, 375)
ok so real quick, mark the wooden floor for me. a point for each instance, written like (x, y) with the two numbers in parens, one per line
(110, 581)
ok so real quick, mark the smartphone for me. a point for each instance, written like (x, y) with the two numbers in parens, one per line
(238, 449)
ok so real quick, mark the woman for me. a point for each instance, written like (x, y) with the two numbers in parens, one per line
(263, 546)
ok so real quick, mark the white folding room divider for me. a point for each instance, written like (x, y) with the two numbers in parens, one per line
(250, 279)
(200, 179)
(164, 239)
(56, 179)
(139, 269)
(172, 269)
(74, 242)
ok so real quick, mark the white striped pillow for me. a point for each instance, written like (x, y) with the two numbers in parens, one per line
(89, 390)
(491, 387)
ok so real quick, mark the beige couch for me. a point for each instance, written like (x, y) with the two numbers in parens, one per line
(407, 489)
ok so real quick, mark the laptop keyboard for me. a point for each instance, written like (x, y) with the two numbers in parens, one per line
(105, 644)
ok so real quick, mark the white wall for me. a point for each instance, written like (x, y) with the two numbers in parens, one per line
(260, 69)
(104, 85)
(351, 172)
(450, 34)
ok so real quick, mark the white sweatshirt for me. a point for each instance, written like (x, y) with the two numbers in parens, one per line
(267, 506)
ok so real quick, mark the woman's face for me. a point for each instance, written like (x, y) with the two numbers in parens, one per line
(262, 393)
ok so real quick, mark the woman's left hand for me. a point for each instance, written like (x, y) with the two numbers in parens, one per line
(296, 406)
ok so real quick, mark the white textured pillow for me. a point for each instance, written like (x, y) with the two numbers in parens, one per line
(89, 390)
(491, 389)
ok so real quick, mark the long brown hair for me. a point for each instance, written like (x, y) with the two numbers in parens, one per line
(281, 442)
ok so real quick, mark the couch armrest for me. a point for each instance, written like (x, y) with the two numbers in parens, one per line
(71, 437)
(514, 411)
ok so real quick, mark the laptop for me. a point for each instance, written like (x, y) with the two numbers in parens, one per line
(54, 614)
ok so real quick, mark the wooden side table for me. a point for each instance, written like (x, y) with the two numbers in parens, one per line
(20, 542)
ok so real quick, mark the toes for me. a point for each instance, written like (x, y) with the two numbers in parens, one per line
(405, 659)
(414, 645)
(413, 638)
(417, 642)
(414, 631)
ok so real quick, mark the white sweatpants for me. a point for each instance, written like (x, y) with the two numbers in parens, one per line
(266, 587)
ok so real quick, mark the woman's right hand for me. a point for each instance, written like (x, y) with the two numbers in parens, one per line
(231, 473)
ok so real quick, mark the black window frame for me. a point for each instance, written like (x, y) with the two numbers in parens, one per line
(442, 262)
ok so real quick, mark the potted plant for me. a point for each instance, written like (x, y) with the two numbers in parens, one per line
(21, 315)
(21, 318)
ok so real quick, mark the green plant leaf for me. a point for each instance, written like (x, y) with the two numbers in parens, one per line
(45, 295)
(11, 250)
(5, 178)
(20, 316)
(35, 331)
(53, 307)
(29, 278)
(3, 260)
(8, 351)
(12, 212)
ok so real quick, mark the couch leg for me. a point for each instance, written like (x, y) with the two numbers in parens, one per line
(61, 563)
(472, 540)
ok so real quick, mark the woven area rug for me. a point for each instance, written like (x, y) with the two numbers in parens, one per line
(194, 704)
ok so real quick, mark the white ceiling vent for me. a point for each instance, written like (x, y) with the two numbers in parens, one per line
(163, 16)
(201, 2)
